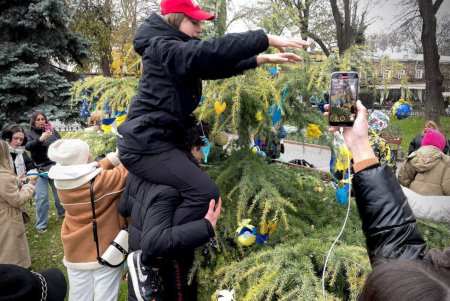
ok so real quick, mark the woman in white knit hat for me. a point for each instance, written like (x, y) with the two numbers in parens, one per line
(73, 173)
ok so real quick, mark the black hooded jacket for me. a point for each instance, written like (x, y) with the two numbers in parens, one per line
(153, 210)
(170, 86)
(387, 220)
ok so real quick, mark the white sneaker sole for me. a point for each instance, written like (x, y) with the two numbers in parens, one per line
(134, 280)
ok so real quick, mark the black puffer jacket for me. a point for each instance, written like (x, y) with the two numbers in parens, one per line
(387, 220)
(170, 86)
(152, 209)
(39, 149)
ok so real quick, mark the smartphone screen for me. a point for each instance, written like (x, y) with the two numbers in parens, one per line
(48, 127)
(343, 96)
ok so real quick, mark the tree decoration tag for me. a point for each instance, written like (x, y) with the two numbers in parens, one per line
(220, 107)
(85, 113)
(226, 295)
(342, 196)
(259, 116)
(246, 233)
(206, 148)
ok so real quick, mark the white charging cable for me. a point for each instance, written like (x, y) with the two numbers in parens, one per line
(341, 130)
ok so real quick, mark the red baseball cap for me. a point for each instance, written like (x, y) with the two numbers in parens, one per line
(188, 7)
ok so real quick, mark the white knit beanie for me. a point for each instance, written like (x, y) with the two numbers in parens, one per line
(69, 152)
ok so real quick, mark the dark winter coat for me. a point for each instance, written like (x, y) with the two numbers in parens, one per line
(39, 149)
(170, 86)
(152, 209)
(387, 220)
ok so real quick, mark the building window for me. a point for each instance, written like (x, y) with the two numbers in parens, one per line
(419, 73)
(401, 74)
(386, 74)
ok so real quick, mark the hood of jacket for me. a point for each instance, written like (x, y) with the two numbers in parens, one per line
(426, 158)
(155, 26)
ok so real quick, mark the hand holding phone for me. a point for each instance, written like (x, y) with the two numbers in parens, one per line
(48, 127)
(343, 96)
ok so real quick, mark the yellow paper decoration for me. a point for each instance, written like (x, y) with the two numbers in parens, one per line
(258, 116)
(220, 108)
(313, 131)
(341, 159)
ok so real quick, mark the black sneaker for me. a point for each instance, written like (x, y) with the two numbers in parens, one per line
(146, 281)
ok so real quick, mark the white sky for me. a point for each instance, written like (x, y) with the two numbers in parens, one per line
(388, 11)
(384, 14)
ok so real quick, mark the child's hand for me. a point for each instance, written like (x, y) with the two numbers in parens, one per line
(278, 58)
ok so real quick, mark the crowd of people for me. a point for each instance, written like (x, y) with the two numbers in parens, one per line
(154, 187)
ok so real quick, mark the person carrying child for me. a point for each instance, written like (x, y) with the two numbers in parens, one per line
(164, 233)
(175, 61)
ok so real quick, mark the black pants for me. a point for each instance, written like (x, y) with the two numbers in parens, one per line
(175, 274)
(176, 168)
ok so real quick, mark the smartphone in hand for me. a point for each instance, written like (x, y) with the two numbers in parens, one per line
(344, 91)
(48, 127)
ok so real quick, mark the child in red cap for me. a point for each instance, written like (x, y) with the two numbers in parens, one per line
(175, 61)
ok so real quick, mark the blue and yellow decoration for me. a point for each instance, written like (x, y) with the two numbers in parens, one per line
(401, 109)
(34, 174)
(107, 124)
(85, 113)
(121, 114)
(257, 151)
(246, 233)
(267, 229)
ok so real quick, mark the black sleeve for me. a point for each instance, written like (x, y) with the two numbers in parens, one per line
(160, 238)
(213, 58)
(29, 164)
(387, 219)
(33, 142)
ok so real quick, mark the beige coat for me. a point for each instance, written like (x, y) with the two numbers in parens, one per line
(76, 231)
(14, 246)
(426, 171)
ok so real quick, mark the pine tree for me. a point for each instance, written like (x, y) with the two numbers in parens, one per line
(34, 43)
(289, 265)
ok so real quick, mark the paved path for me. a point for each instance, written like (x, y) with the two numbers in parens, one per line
(317, 155)
(314, 154)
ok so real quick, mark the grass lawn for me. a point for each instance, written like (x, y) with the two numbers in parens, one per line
(46, 248)
(407, 128)
(411, 127)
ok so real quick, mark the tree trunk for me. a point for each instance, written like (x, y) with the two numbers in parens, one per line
(105, 63)
(434, 101)
(343, 25)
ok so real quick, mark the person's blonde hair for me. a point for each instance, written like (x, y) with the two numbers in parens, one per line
(96, 116)
(174, 19)
(5, 157)
(431, 124)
